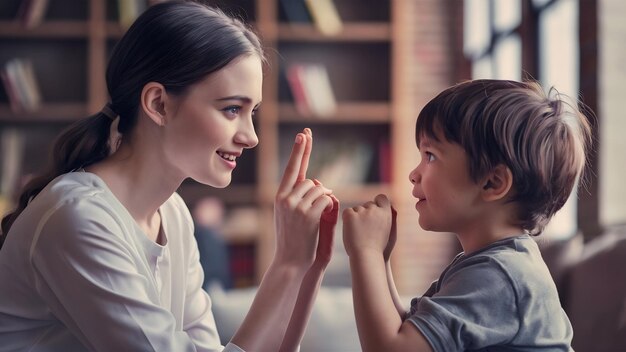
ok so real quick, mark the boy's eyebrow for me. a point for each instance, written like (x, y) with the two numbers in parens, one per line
(426, 142)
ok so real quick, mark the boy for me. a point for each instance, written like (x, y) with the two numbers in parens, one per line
(499, 158)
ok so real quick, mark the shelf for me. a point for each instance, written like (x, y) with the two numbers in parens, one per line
(353, 32)
(48, 29)
(192, 191)
(348, 112)
(50, 112)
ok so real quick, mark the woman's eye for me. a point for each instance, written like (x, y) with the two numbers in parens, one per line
(234, 110)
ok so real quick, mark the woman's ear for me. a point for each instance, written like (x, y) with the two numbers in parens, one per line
(497, 183)
(153, 97)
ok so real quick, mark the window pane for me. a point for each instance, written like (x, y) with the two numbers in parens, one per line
(508, 14)
(476, 27)
(612, 57)
(508, 58)
(482, 68)
(558, 32)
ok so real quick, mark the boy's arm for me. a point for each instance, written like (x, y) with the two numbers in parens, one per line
(393, 235)
(393, 291)
(380, 327)
(312, 281)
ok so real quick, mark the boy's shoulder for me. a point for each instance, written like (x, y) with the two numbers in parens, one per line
(510, 251)
(516, 258)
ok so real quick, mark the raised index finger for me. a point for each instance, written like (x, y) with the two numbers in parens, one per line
(304, 165)
(293, 164)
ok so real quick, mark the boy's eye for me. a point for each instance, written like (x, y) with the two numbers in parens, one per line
(430, 156)
(254, 111)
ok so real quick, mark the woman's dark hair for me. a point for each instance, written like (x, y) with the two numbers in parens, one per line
(542, 138)
(175, 43)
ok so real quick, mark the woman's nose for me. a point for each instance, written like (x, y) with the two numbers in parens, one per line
(247, 136)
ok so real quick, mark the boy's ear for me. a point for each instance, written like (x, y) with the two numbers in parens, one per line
(497, 183)
(153, 97)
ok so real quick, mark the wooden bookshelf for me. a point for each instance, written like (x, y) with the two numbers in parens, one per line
(362, 62)
(347, 112)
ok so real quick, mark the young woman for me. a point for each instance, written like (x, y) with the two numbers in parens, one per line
(100, 253)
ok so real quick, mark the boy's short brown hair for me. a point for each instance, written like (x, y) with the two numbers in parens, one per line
(541, 138)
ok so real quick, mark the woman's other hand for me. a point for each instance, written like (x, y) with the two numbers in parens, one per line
(298, 207)
(328, 221)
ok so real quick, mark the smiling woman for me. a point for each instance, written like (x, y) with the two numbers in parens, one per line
(100, 254)
(212, 124)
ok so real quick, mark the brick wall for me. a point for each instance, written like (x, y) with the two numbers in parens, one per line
(430, 45)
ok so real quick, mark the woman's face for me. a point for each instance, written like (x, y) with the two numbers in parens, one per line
(212, 123)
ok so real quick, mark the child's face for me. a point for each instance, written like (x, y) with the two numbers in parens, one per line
(448, 198)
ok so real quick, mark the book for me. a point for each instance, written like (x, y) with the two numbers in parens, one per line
(11, 91)
(311, 89)
(129, 10)
(319, 89)
(242, 258)
(295, 79)
(31, 12)
(295, 11)
(338, 160)
(18, 78)
(350, 165)
(325, 16)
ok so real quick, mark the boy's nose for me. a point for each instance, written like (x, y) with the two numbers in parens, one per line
(413, 176)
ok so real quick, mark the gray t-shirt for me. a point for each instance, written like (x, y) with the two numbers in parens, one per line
(499, 298)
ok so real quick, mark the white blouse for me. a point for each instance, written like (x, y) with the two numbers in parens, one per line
(77, 273)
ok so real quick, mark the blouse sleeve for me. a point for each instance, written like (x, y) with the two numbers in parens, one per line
(475, 307)
(89, 278)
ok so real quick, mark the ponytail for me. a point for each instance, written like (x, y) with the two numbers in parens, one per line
(83, 143)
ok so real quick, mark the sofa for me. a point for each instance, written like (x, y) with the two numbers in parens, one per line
(331, 328)
(591, 281)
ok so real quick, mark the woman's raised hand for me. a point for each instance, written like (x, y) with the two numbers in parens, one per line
(298, 207)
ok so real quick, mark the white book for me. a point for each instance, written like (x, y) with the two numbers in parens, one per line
(319, 89)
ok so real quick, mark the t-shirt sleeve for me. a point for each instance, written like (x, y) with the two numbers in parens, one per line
(89, 278)
(475, 307)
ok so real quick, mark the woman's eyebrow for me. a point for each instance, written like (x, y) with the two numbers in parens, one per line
(242, 98)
